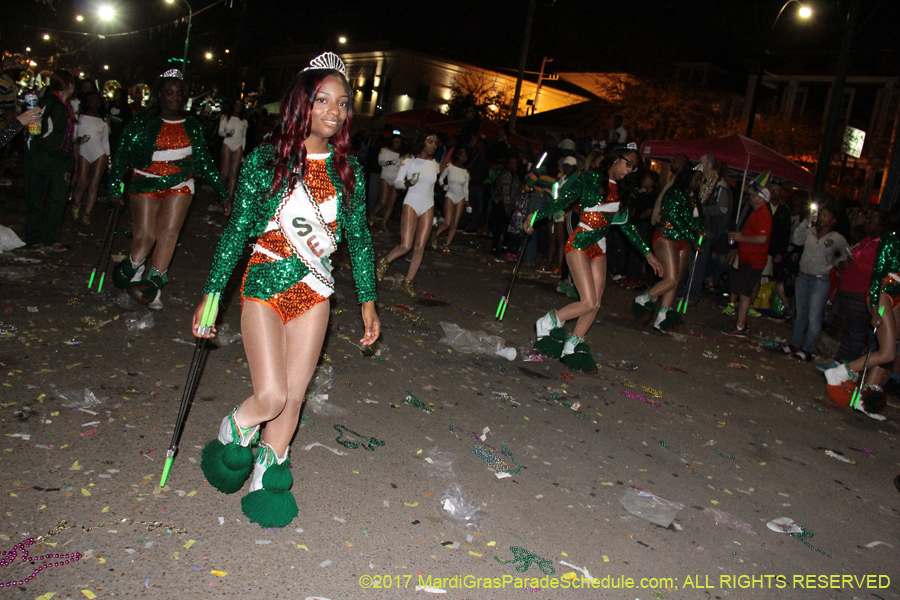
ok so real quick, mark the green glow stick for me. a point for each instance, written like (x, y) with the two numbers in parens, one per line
(857, 393)
(170, 458)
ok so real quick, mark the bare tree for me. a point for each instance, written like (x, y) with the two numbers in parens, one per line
(489, 96)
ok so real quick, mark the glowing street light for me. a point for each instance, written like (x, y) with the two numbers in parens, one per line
(79, 18)
(106, 67)
(208, 56)
(47, 37)
(106, 12)
(27, 48)
(805, 12)
(342, 40)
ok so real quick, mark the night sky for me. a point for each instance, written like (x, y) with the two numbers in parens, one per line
(641, 36)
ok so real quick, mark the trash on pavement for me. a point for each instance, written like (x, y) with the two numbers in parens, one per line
(651, 507)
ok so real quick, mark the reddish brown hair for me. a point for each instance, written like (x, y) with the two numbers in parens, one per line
(293, 127)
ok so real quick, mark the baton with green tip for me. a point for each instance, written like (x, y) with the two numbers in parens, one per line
(683, 303)
(857, 393)
(105, 250)
(206, 323)
(504, 300)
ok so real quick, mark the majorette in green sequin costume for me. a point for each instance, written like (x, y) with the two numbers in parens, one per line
(680, 224)
(288, 271)
(884, 292)
(296, 224)
(162, 157)
(598, 197)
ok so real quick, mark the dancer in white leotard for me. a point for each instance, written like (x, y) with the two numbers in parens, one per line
(91, 137)
(418, 174)
(389, 159)
(456, 180)
(232, 127)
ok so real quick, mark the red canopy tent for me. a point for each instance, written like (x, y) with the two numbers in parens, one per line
(742, 154)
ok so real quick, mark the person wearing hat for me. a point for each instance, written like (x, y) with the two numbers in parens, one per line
(753, 254)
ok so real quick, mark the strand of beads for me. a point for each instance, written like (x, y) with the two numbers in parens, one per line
(641, 398)
(414, 400)
(527, 558)
(10, 556)
(663, 444)
(803, 535)
(351, 445)
(724, 455)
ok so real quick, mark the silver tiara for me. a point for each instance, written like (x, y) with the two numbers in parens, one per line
(328, 60)
(173, 73)
(631, 146)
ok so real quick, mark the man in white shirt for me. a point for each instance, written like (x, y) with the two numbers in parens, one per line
(618, 129)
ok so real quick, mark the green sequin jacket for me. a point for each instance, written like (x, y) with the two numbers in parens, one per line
(587, 190)
(136, 152)
(887, 261)
(253, 210)
(677, 220)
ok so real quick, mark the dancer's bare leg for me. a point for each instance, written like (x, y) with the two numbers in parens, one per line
(282, 359)
(590, 281)
(423, 228)
(144, 215)
(94, 173)
(168, 225)
(453, 214)
(408, 223)
(667, 253)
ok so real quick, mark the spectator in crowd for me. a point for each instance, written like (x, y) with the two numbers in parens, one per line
(618, 134)
(823, 249)
(539, 186)
(11, 129)
(853, 288)
(556, 251)
(641, 211)
(505, 194)
(716, 209)
(469, 131)
(118, 116)
(781, 240)
(478, 170)
(48, 166)
(7, 104)
(753, 251)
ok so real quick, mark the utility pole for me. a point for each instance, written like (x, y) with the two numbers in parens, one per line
(837, 98)
(540, 81)
(532, 4)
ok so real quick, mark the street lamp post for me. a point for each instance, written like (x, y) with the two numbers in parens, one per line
(187, 37)
(805, 13)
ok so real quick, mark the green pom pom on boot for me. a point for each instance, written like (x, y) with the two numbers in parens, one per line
(270, 502)
(124, 272)
(227, 461)
(577, 355)
(551, 345)
(145, 290)
(670, 321)
(642, 308)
